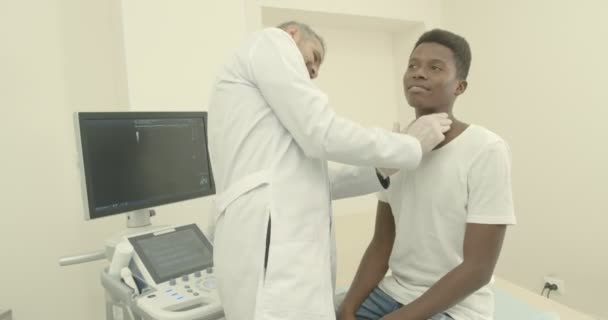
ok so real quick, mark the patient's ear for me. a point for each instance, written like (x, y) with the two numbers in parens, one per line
(461, 87)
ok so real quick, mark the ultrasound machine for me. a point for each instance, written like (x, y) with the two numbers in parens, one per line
(132, 162)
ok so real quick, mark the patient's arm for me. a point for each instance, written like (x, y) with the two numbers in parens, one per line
(482, 246)
(374, 263)
(350, 181)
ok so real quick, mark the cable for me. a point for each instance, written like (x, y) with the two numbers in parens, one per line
(552, 287)
(547, 285)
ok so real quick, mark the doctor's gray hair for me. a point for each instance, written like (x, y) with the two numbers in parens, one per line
(306, 29)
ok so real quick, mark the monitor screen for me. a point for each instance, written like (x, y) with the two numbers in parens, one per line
(136, 160)
(171, 254)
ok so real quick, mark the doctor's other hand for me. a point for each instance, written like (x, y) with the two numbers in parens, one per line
(429, 130)
(387, 172)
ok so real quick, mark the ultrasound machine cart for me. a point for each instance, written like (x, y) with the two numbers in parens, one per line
(131, 162)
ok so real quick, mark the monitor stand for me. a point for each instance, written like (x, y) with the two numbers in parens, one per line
(140, 218)
(138, 221)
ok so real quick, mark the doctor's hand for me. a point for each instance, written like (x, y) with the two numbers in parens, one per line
(429, 130)
(387, 172)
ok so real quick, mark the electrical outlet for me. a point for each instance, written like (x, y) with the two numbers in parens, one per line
(561, 284)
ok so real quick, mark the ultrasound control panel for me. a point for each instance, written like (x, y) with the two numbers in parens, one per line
(176, 265)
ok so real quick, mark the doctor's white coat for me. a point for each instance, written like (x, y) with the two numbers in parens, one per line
(271, 133)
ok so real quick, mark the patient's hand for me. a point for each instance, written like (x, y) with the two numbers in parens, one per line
(347, 316)
(345, 313)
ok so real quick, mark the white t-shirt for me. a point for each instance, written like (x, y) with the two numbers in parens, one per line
(466, 181)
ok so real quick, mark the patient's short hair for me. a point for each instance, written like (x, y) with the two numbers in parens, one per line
(459, 46)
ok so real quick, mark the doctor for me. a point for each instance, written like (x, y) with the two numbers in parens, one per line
(271, 133)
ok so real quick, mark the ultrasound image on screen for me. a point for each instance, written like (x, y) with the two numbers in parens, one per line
(171, 255)
(137, 163)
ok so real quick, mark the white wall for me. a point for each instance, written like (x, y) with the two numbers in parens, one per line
(538, 78)
(57, 57)
(174, 49)
(426, 11)
(358, 75)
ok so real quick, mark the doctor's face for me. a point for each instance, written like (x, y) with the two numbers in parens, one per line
(313, 54)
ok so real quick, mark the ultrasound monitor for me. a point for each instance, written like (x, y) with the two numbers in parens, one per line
(132, 161)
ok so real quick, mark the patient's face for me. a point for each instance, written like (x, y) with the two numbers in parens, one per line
(430, 82)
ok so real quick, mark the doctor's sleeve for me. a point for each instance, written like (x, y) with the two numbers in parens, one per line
(278, 70)
(350, 181)
(490, 197)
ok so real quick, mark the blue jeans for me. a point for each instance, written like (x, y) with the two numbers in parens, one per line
(378, 304)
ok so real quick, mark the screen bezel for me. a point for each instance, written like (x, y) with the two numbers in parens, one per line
(88, 189)
(135, 242)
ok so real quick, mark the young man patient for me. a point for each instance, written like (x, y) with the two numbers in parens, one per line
(439, 228)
